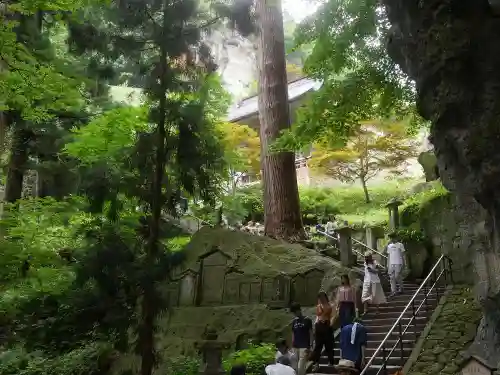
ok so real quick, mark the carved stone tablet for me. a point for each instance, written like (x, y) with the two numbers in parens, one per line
(187, 290)
(475, 368)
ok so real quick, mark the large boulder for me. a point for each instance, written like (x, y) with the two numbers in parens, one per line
(450, 48)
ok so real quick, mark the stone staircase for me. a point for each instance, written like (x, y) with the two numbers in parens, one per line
(379, 322)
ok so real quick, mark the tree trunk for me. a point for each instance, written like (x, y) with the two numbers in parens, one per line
(149, 300)
(365, 190)
(282, 217)
(17, 164)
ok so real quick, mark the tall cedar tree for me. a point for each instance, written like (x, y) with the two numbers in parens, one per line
(282, 218)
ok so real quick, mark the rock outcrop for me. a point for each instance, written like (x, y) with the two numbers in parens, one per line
(450, 48)
(450, 334)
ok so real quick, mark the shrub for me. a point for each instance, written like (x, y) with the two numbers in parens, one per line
(255, 358)
(410, 211)
(93, 359)
(182, 365)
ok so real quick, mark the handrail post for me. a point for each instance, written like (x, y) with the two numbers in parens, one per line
(414, 319)
(384, 360)
(401, 341)
(436, 284)
(445, 271)
(450, 265)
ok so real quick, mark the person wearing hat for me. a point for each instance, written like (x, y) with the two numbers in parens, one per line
(346, 367)
(396, 263)
(372, 293)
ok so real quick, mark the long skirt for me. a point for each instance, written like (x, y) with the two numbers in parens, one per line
(373, 294)
(347, 313)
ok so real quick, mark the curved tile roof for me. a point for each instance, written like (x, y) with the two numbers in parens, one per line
(250, 106)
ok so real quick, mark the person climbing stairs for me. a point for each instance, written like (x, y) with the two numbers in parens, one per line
(379, 322)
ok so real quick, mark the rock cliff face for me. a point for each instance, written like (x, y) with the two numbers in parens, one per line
(450, 48)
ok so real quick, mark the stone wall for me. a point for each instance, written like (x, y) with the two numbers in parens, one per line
(456, 228)
(450, 334)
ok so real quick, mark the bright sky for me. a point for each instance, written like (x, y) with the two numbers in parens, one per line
(299, 9)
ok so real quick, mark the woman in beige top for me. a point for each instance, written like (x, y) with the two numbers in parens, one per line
(346, 302)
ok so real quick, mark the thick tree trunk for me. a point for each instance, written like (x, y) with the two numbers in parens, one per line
(282, 217)
(365, 190)
(17, 164)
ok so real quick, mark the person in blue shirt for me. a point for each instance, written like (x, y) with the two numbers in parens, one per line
(302, 332)
(353, 339)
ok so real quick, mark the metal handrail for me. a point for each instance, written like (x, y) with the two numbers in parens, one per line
(369, 248)
(327, 235)
(411, 303)
(337, 239)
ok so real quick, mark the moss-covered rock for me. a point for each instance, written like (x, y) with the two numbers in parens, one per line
(451, 224)
(450, 334)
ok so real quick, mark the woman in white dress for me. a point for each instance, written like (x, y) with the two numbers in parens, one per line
(373, 293)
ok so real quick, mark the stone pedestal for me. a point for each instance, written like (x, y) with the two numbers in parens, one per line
(393, 207)
(347, 257)
(211, 351)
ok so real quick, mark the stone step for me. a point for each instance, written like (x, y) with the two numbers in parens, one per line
(409, 335)
(394, 314)
(371, 350)
(373, 328)
(373, 370)
(400, 305)
(370, 322)
(394, 360)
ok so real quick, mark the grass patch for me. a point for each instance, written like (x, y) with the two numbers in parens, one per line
(351, 204)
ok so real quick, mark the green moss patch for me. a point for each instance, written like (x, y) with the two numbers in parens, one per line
(451, 333)
(257, 255)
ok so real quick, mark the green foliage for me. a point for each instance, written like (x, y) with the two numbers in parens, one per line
(359, 80)
(92, 359)
(412, 207)
(109, 136)
(181, 366)
(255, 358)
(318, 204)
(177, 243)
(409, 235)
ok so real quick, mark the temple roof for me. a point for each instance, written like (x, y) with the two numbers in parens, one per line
(250, 106)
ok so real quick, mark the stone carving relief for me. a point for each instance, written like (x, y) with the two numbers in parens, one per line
(187, 288)
(218, 282)
(213, 270)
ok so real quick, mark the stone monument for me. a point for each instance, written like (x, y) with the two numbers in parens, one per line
(393, 206)
(211, 352)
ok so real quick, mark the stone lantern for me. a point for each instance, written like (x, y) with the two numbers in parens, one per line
(475, 365)
(211, 351)
(393, 206)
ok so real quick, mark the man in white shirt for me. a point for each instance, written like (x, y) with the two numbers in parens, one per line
(281, 367)
(396, 263)
(282, 350)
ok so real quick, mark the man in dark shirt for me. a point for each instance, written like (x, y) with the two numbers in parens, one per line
(353, 338)
(301, 337)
